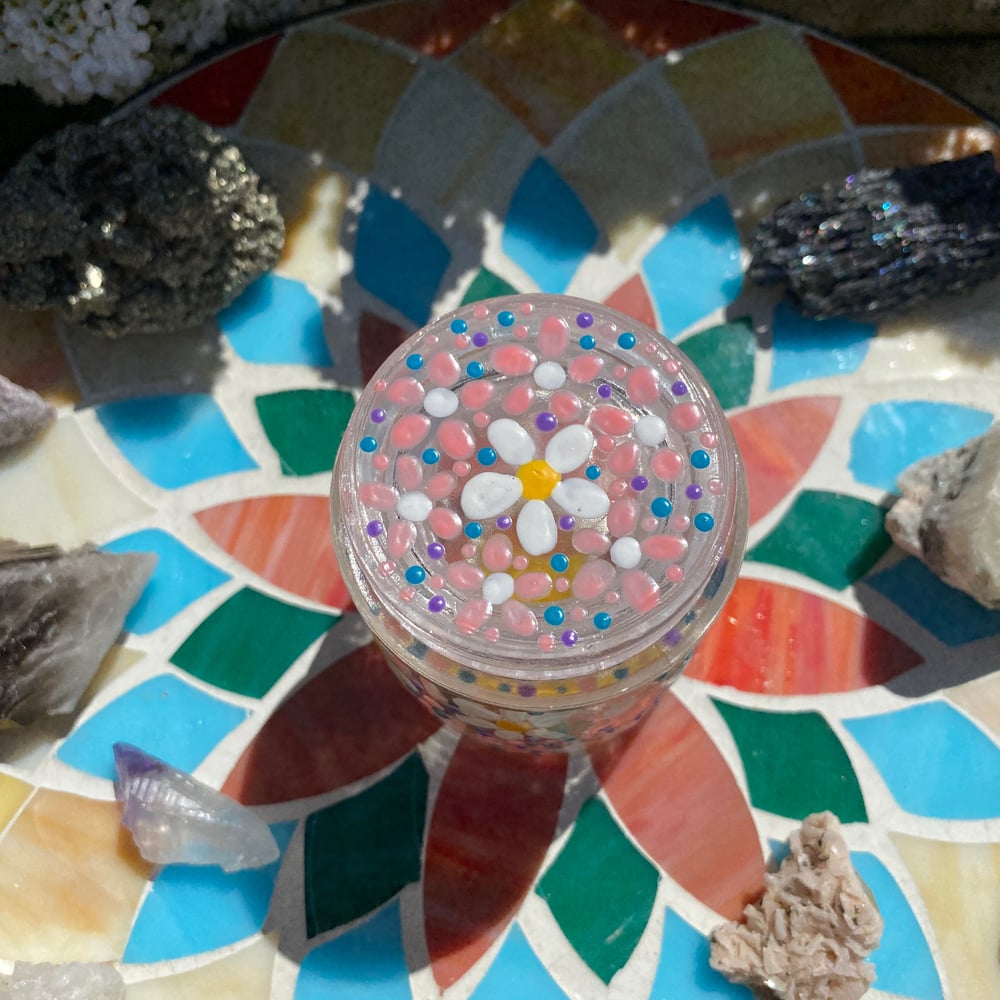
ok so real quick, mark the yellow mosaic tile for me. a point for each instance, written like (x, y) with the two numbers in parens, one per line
(754, 93)
(13, 792)
(362, 81)
(72, 881)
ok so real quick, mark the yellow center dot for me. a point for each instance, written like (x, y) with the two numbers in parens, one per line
(538, 478)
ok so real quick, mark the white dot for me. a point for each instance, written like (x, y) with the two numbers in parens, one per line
(440, 402)
(650, 430)
(626, 553)
(414, 506)
(550, 375)
(498, 587)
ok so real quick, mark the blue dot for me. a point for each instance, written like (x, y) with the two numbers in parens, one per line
(415, 574)
(467, 677)
(473, 529)
(506, 318)
(368, 444)
(704, 522)
(431, 456)
(661, 507)
(475, 369)
(701, 459)
(554, 615)
(559, 562)
(621, 673)
(593, 472)
(588, 343)
(486, 456)
(602, 620)
(459, 326)
(626, 341)
(414, 362)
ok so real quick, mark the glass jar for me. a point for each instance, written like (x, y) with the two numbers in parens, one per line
(538, 508)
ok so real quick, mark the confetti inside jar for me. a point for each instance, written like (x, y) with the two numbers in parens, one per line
(537, 527)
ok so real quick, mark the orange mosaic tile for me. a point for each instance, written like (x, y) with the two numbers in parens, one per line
(917, 146)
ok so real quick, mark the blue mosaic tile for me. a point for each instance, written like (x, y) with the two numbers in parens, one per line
(516, 962)
(398, 257)
(190, 909)
(808, 348)
(277, 321)
(684, 972)
(175, 440)
(548, 232)
(934, 760)
(947, 613)
(366, 963)
(695, 269)
(894, 434)
(180, 578)
(164, 716)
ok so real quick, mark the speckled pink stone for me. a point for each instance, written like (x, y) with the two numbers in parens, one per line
(409, 431)
(686, 417)
(590, 542)
(667, 464)
(455, 438)
(471, 615)
(445, 523)
(640, 590)
(475, 395)
(400, 538)
(381, 496)
(409, 472)
(669, 548)
(462, 576)
(405, 392)
(518, 400)
(592, 580)
(623, 458)
(553, 337)
(642, 386)
(443, 369)
(498, 553)
(585, 368)
(440, 485)
(513, 359)
(623, 516)
(611, 420)
(566, 406)
(533, 586)
(518, 619)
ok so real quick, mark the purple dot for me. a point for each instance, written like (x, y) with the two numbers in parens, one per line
(672, 637)
(569, 637)
(639, 483)
(693, 492)
(546, 421)
(480, 339)
(436, 603)
(679, 389)
(504, 521)
(527, 690)
(374, 529)
(584, 320)
(377, 416)
(435, 550)
(567, 522)
(604, 390)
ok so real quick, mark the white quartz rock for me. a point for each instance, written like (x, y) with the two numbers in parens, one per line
(23, 413)
(949, 516)
(63, 981)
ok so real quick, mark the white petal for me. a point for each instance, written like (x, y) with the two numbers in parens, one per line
(414, 506)
(440, 402)
(569, 448)
(549, 375)
(650, 430)
(626, 553)
(511, 441)
(498, 587)
(536, 528)
(581, 497)
(489, 494)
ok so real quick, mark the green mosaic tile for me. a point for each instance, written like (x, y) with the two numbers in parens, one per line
(360, 852)
(305, 427)
(831, 537)
(248, 642)
(725, 355)
(600, 890)
(794, 763)
(487, 285)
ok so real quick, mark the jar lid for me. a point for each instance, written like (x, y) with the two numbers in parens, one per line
(536, 483)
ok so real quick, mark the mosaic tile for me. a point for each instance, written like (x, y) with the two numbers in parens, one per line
(876, 94)
(934, 761)
(634, 163)
(794, 763)
(600, 889)
(365, 963)
(194, 908)
(493, 821)
(305, 426)
(831, 537)
(547, 232)
(116, 663)
(960, 886)
(487, 285)
(180, 578)
(903, 961)
(362, 83)
(980, 699)
(779, 442)
(724, 354)
(737, 91)
(632, 299)
(377, 339)
(219, 91)
(249, 641)
(175, 440)
(284, 539)
(398, 257)
(516, 962)
(894, 434)
(546, 60)
(72, 881)
(657, 27)
(807, 348)
(779, 640)
(360, 852)
(13, 793)
(31, 355)
(165, 716)
(684, 972)
(695, 269)
(916, 146)
(655, 778)
(276, 321)
(320, 738)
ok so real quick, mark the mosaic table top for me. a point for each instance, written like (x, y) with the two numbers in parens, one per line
(426, 155)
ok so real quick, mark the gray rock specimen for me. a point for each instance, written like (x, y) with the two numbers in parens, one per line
(63, 981)
(23, 414)
(176, 819)
(809, 936)
(146, 224)
(949, 516)
(62, 612)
